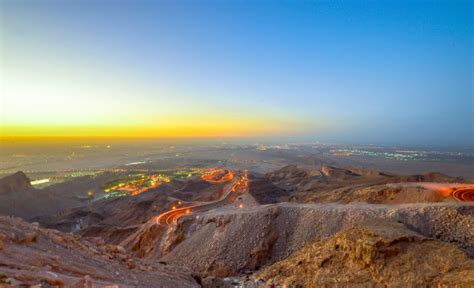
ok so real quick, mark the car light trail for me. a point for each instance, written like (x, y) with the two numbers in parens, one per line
(175, 213)
(464, 194)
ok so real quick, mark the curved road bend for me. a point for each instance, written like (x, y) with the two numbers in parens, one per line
(464, 194)
(238, 187)
(459, 191)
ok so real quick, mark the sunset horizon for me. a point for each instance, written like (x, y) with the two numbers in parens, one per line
(310, 71)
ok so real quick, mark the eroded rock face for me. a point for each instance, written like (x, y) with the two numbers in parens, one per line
(218, 246)
(222, 244)
(380, 253)
(31, 255)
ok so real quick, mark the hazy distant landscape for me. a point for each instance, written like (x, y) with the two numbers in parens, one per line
(71, 159)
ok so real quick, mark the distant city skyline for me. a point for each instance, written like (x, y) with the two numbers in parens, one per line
(349, 72)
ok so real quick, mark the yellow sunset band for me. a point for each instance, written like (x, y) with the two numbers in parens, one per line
(150, 130)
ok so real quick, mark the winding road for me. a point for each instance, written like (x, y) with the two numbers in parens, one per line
(237, 187)
(459, 191)
(464, 194)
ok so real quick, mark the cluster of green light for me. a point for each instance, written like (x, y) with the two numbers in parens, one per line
(81, 174)
(134, 182)
(115, 194)
(184, 174)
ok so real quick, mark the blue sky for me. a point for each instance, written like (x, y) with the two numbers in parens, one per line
(347, 71)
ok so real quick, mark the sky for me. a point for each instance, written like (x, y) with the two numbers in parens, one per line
(334, 71)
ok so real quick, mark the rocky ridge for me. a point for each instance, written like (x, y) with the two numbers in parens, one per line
(373, 253)
(213, 243)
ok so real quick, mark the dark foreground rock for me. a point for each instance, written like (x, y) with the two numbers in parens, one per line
(31, 255)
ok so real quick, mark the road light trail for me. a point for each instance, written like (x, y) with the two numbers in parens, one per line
(238, 187)
(464, 194)
(459, 191)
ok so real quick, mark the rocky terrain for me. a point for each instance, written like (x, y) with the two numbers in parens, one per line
(328, 184)
(265, 192)
(308, 226)
(373, 253)
(213, 244)
(20, 199)
(31, 255)
(116, 219)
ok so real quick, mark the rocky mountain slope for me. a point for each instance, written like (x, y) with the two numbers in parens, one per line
(116, 219)
(230, 242)
(14, 183)
(373, 253)
(265, 192)
(330, 184)
(352, 226)
(19, 198)
(30, 255)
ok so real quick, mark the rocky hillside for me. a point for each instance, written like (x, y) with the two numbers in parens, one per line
(351, 226)
(332, 184)
(374, 253)
(19, 198)
(265, 192)
(15, 183)
(213, 244)
(30, 255)
(116, 219)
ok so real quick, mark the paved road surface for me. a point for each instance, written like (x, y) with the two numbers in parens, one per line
(238, 186)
